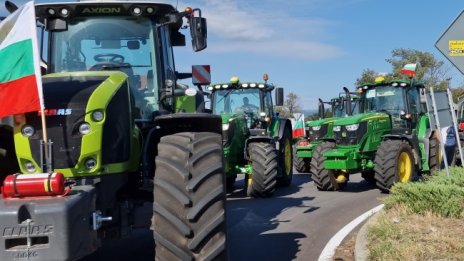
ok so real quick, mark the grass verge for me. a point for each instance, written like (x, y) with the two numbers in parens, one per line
(421, 221)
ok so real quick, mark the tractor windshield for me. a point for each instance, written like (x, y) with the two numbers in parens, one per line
(385, 98)
(236, 101)
(110, 43)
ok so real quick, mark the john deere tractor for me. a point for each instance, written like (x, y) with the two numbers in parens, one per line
(115, 148)
(256, 141)
(345, 104)
(389, 142)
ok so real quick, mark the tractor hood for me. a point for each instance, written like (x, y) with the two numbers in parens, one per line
(71, 99)
(359, 118)
(319, 122)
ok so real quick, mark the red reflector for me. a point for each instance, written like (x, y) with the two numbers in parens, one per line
(461, 126)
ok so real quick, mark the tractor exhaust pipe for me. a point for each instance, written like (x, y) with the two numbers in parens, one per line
(348, 101)
(321, 109)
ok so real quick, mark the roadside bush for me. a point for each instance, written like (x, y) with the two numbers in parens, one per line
(438, 194)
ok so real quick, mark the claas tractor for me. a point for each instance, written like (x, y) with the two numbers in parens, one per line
(391, 141)
(346, 104)
(117, 157)
(256, 141)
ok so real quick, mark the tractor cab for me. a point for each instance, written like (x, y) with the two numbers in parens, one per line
(399, 99)
(134, 38)
(251, 100)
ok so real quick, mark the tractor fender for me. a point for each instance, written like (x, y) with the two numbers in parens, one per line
(283, 125)
(253, 139)
(174, 123)
(413, 142)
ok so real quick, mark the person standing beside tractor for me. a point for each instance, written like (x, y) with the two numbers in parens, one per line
(448, 136)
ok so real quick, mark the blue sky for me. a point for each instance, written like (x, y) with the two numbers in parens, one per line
(313, 47)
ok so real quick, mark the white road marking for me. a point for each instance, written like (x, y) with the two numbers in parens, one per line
(329, 249)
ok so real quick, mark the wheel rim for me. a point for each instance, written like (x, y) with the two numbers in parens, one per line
(404, 167)
(288, 157)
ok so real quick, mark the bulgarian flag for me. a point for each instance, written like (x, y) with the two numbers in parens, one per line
(20, 77)
(409, 69)
(298, 125)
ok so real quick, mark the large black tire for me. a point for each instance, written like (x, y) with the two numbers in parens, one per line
(8, 161)
(324, 179)
(265, 169)
(368, 175)
(394, 162)
(434, 154)
(285, 175)
(189, 220)
(301, 165)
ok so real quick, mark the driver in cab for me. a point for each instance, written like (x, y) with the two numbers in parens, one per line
(247, 107)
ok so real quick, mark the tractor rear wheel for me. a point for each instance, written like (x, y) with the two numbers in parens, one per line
(301, 164)
(285, 160)
(189, 220)
(324, 179)
(265, 165)
(434, 154)
(394, 162)
(8, 162)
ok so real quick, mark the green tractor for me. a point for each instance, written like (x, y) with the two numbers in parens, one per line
(345, 104)
(256, 141)
(389, 142)
(117, 157)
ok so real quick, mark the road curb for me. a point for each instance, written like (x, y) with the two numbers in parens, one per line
(361, 253)
(329, 249)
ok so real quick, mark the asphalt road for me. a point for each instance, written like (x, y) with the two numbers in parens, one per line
(295, 224)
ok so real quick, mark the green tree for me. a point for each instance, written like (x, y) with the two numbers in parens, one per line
(431, 71)
(292, 103)
(367, 76)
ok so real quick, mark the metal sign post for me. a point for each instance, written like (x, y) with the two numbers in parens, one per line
(438, 127)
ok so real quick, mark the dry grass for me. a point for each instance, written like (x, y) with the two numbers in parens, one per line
(399, 234)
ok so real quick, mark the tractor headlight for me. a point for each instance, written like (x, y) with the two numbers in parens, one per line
(316, 128)
(337, 128)
(225, 127)
(352, 127)
(29, 167)
(90, 163)
(97, 115)
(28, 131)
(84, 128)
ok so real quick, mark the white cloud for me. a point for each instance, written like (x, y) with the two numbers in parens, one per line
(243, 27)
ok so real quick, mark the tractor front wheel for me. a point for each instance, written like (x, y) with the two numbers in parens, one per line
(189, 220)
(265, 164)
(301, 164)
(394, 162)
(285, 160)
(324, 179)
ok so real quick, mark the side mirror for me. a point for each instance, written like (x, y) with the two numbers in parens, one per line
(198, 31)
(279, 96)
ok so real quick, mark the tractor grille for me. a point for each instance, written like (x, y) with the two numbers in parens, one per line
(66, 100)
(345, 137)
(317, 134)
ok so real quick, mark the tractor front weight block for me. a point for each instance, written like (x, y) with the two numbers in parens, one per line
(48, 228)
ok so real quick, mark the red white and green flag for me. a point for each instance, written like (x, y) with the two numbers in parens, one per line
(298, 125)
(20, 78)
(409, 69)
